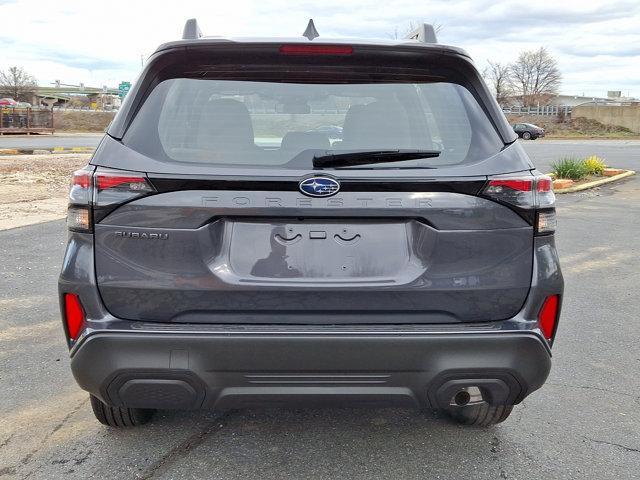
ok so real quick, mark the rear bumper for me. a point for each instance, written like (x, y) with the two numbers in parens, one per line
(183, 370)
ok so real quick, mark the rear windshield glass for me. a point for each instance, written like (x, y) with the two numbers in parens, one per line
(266, 124)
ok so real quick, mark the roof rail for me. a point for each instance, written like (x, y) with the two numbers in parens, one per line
(424, 33)
(191, 30)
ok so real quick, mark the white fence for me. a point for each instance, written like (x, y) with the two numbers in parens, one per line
(544, 110)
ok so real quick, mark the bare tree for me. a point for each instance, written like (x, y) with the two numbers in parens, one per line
(498, 76)
(536, 76)
(395, 34)
(17, 84)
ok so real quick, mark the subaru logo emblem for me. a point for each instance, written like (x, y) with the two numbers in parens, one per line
(319, 186)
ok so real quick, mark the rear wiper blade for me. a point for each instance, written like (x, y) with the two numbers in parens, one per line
(370, 157)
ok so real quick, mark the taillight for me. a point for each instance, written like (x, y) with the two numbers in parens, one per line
(308, 50)
(546, 221)
(114, 186)
(73, 315)
(544, 192)
(80, 193)
(94, 194)
(531, 195)
(122, 181)
(548, 316)
(501, 185)
(81, 178)
(79, 218)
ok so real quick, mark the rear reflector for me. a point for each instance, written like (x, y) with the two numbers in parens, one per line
(548, 316)
(316, 49)
(74, 315)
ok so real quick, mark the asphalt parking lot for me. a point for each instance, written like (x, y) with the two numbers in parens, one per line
(583, 424)
(616, 153)
(65, 140)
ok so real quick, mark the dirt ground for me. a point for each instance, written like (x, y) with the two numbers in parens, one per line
(34, 188)
(81, 121)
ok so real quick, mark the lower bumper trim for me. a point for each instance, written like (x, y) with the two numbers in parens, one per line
(207, 370)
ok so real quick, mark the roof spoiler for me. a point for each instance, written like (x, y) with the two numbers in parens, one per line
(424, 33)
(191, 30)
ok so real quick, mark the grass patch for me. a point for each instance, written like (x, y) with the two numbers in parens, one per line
(571, 168)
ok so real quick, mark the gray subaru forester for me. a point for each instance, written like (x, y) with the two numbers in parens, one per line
(277, 221)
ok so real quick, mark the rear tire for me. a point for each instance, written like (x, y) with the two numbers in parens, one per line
(526, 135)
(119, 417)
(482, 415)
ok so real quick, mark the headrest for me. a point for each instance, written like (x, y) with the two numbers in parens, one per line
(225, 122)
(299, 141)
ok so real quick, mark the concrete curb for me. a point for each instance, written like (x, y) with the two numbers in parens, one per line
(596, 183)
(45, 151)
(72, 149)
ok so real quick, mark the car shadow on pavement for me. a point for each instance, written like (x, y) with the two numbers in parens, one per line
(321, 443)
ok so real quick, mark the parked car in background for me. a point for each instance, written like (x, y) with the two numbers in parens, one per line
(332, 131)
(528, 131)
(7, 102)
(13, 114)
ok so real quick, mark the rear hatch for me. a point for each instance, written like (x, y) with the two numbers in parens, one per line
(209, 206)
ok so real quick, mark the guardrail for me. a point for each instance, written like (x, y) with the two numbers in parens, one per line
(26, 120)
(544, 110)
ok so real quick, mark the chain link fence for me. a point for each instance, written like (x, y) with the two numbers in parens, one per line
(26, 120)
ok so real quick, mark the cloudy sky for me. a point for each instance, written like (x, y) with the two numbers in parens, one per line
(597, 43)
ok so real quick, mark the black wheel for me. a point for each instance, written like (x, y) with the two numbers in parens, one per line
(481, 415)
(526, 135)
(119, 417)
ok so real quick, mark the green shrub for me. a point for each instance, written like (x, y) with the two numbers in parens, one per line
(594, 165)
(570, 168)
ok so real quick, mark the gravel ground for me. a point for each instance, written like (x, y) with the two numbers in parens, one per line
(33, 188)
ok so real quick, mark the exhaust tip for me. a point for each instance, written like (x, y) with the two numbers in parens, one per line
(465, 392)
(468, 395)
(462, 398)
